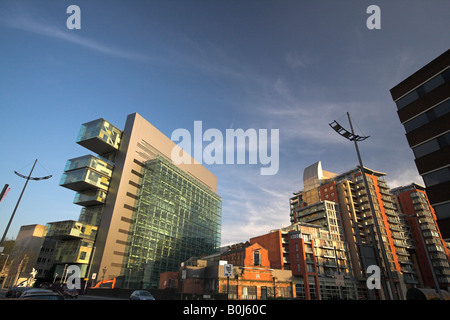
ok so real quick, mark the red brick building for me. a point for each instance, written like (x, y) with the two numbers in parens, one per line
(432, 252)
(252, 278)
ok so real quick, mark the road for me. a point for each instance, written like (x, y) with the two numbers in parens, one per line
(80, 297)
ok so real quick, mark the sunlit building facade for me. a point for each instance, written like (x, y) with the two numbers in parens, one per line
(141, 214)
(432, 251)
(343, 209)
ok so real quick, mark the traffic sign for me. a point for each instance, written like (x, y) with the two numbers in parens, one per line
(228, 270)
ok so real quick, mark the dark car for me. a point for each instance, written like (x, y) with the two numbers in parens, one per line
(14, 292)
(141, 295)
(41, 294)
(70, 293)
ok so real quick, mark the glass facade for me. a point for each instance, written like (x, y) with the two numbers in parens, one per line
(91, 197)
(99, 136)
(71, 229)
(103, 166)
(83, 179)
(75, 242)
(176, 218)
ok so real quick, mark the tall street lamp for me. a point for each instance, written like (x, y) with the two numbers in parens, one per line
(28, 178)
(355, 138)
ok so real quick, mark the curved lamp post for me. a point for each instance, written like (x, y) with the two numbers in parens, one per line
(355, 138)
(28, 178)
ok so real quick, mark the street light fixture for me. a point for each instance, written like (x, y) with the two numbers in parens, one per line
(28, 178)
(355, 138)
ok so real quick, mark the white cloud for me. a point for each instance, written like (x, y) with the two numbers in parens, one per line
(26, 23)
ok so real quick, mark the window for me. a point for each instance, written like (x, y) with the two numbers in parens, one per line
(426, 148)
(436, 112)
(428, 86)
(433, 83)
(437, 177)
(256, 258)
(442, 210)
(416, 122)
(433, 145)
(410, 97)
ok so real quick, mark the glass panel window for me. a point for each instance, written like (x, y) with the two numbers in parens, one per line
(433, 83)
(444, 140)
(416, 122)
(446, 75)
(410, 97)
(437, 177)
(442, 210)
(441, 109)
(426, 148)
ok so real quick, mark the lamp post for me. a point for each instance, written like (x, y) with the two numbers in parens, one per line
(355, 138)
(28, 178)
(3, 268)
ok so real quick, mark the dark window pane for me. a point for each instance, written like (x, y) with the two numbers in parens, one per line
(437, 177)
(441, 109)
(433, 83)
(410, 97)
(426, 148)
(416, 123)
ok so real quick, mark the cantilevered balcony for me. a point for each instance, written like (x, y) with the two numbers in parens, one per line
(84, 179)
(69, 229)
(99, 136)
(90, 198)
(87, 173)
(100, 165)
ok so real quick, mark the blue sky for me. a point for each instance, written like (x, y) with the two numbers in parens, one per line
(289, 65)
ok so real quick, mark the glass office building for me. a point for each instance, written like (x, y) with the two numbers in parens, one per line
(176, 218)
(149, 214)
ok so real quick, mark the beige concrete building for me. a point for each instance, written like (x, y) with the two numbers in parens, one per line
(24, 255)
(150, 212)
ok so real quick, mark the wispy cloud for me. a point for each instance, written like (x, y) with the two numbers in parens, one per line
(23, 21)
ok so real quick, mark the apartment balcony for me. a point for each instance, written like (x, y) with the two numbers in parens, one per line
(90, 198)
(84, 179)
(70, 229)
(100, 165)
(76, 251)
(99, 136)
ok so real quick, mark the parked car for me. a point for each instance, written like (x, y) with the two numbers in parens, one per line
(14, 292)
(141, 295)
(41, 294)
(70, 293)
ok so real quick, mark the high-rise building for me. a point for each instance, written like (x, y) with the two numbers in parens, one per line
(141, 214)
(343, 209)
(423, 103)
(431, 250)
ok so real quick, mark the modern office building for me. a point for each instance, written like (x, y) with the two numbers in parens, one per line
(423, 103)
(431, 250)
(342, 207)
(141, 214)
